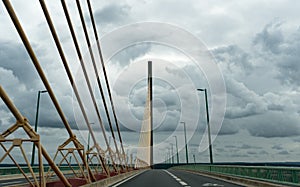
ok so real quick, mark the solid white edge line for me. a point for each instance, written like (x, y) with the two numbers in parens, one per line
(125, 180)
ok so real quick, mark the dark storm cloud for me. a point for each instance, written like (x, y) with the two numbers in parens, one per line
(21, 82)
(250, 103)
(249, 110)
(230, 146)
(166, 101)
(228, 128)
(14, 57)
(263, 152)
(275, 107)
(246, 146)
(283, 49)
(277, 147)
(234, 57)
(243, 146)
(251, 152)
(240, 155)
(289, 61)
(270, 38)
(221, 150)
(270, 110)
(26, 100)
(112, 13)
(296, 140)
(130, 53)
(283, 153)
(49, 116)
(282, 125)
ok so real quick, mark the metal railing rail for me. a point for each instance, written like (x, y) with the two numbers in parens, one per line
(282, 175)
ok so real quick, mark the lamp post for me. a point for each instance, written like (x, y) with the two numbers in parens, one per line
(172, 153)
(109, 140)
(89, 137)
(127, 156)
(169, 154)
(208, 125)
(36, 122)
(70, 160)
(194, 158)
(88, 146)
(176, 149)
(186, 147)
(167, 157)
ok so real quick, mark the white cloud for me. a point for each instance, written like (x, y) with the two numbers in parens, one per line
(282, 125)
(251, 103)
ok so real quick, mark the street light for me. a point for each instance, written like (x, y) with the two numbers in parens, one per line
(194, 158)
(186, 147)
(177, 149)
(172, 153)
(70, 160)
(208, 126)
(88, 147)
(169, 155)
(36, 122)
(109, 140)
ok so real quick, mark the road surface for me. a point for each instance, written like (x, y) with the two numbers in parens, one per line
(153, 178)
(173, 178)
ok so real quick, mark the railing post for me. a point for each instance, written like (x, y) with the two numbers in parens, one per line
(295, 178)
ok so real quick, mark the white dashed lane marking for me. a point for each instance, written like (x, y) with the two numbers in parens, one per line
(177, 179)
(183, 183)
(211, 184)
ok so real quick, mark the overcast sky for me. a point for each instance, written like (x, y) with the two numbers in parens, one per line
(255, 46)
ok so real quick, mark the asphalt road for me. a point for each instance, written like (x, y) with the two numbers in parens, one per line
(153, 178)
(173, 178)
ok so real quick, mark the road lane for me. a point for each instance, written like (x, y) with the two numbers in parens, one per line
(198, 180)
(173, 178)
(151, 178)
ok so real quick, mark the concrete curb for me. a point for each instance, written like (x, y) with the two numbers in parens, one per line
(112, 180)
(13, 176)
(19, 176)
(234, 179)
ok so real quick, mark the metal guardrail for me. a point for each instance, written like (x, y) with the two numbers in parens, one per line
(281, 175)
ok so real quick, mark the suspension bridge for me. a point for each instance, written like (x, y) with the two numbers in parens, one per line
(105, 165)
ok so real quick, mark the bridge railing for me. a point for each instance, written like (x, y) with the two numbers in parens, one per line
(282, 175)
(14, 170)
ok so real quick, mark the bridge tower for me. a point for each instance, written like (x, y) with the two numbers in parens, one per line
(145, 146)
(150, 110)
